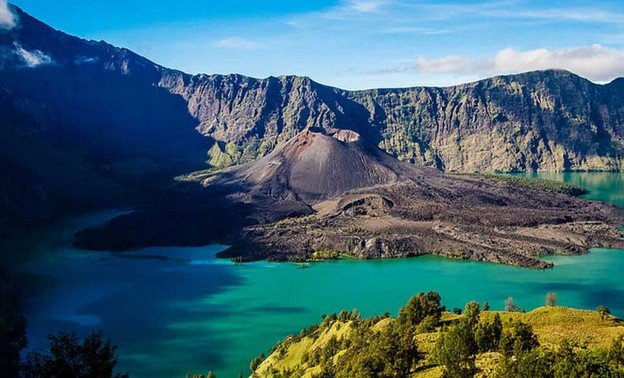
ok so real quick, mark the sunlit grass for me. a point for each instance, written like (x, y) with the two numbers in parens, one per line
(552, 325)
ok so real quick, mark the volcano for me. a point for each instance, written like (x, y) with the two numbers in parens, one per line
(329, 194)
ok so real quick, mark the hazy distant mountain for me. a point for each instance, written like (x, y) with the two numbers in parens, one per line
(85, 123)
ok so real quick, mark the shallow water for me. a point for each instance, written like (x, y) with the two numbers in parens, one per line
(179, 310)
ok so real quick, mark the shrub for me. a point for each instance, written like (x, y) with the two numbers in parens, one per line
(253, 365)
(420, 307)
(68, 358)
(551, 299)
(603, 311)
(510, 306)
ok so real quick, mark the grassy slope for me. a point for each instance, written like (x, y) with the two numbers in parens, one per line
(551, 324)
(537, 183)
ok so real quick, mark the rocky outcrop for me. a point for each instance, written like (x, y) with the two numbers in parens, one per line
(538, 121)
(546, 120)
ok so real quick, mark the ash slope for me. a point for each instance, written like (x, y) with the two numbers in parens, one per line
(322, 195)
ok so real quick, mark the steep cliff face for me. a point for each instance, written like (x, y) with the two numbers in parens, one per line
(250, 117)
(544, 120)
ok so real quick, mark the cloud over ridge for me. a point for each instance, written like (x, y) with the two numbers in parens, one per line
(32, 58)
(595, 62)
(8, 20)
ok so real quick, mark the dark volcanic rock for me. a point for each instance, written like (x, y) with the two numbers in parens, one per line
(374, 206)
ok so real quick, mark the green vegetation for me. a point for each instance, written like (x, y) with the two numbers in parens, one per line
(12, 328)
(222, 155)
(537, 183)
(67, 357)
(426, 341)
(603, 311)
(510, 306)
(324, 254)
(551, 299)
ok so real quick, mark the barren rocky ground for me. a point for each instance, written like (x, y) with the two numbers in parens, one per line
(327, 195)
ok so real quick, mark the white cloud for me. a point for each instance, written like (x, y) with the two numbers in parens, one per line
(85, 60)
(590, 15)
(596, 62)
(417, 30)
(238, 43)
(366, 6)
(7, 19)
(515, 10)
(349, 11)
(451, 63)
(32, 58)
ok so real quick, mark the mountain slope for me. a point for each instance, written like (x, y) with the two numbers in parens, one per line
(347, 345)
(323, 195)
(128, 125)
(544, 120)
(83, 124)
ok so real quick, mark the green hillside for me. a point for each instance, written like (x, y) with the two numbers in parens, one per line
(426, 341)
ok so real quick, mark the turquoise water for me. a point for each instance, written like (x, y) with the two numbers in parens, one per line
(179, 310)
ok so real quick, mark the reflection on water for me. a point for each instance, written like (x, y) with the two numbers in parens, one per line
(179, 310)
(603, 186)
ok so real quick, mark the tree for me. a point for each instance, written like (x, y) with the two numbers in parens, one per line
(574, 361)
(568, 360)
(536, 363)
(419, 307)
(525, 338)
(519, 339)
(488, 334)
(497, 328)
(253, 365)
(12, 329)
(471, 313)
(510, 306)
(603, 311)
(68, 358)
(391, 352)
(486, 306)
(551, 299)
(398, 351)
(455, 352)
(616, 352)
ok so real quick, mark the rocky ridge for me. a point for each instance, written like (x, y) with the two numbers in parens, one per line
(538, 121)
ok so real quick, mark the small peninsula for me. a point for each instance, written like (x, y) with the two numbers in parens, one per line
(323, 195)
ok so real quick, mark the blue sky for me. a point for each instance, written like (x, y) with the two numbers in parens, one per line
(356, 44)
